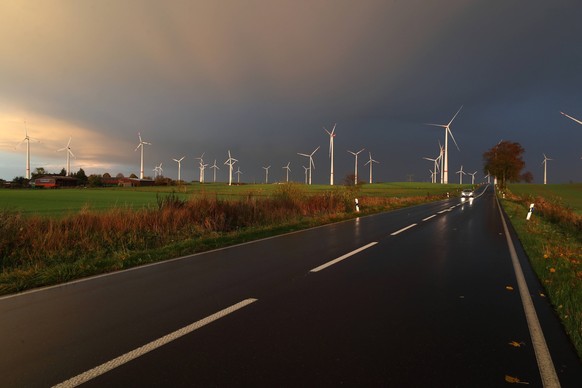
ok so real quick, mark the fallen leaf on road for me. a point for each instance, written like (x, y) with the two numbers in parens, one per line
(509, 288)
(516, 344)
(514, 380)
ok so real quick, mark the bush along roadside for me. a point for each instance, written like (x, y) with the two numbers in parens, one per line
(552, 239)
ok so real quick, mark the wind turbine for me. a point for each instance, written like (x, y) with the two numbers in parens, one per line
(27, 139)
(331, 136)
(202, 167)
(306, 170)
(140, 145)
(267, 173)
(230, 162)
(447, 127)
(370, 162)
(215, 167)
(461, 173)
(238, 172)
(432, 175)
(311, 163)
(473, 177)
(488, 176)
(288, 170)
(179, 161)
(356, 165)
(436, 168)
(158, 170)
(69, 154)
(545, 163)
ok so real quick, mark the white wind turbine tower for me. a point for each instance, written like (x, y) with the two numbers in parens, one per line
(370, 162)
(473, 177)
(447, 127)
(306, 170)
(69, 154)
(461, 173)
(288, 170)
(238, 172)
(545, 163)
(203, 171)
(179, 161)
(267, 173)
(488, 176)
(331, 137)
(215, 167)
(356, 165)
(140, 145)
(230, 162)
(27, 139)
(311, 163)
(432, 175)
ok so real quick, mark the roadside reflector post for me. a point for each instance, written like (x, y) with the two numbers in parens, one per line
(357, 206)
(531, 209)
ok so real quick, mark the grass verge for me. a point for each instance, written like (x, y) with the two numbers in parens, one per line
(552, 239)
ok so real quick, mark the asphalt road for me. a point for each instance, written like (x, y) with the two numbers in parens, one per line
(423, 296)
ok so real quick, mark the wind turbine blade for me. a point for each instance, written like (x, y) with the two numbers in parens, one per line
(302, 154)
(315, 150)
(572, 118)
(436, 125)
(71, 152)
(360, 150)
(69, 143)
(452, 137)
(450, 122)
(61, 149)
(136, 148)
(333, 129)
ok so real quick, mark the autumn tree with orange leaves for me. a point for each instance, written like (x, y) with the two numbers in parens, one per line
(505, 162)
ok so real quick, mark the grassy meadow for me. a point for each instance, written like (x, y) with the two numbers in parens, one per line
(566, 194)
(44, 202)
(552, 239)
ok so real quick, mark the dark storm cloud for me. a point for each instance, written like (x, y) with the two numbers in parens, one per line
(263, 78)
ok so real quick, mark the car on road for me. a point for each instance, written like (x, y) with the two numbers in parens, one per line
(467, 193)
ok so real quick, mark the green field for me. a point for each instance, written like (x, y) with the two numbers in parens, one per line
(569, 194)
(65, 201)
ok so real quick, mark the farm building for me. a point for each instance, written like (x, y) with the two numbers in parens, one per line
(126, 182)
(55, 181)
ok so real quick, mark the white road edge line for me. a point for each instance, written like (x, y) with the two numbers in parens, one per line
(335, 261)
(110, 365)
(428, 218)
(543, 357)
(402, 230)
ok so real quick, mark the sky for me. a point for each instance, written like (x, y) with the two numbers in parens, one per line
(263, 78)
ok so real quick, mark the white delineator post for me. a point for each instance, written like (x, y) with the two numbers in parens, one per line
(357, 205)
(531, 209)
